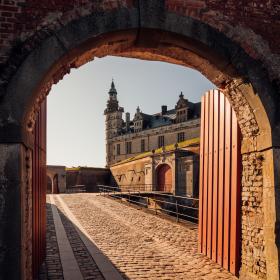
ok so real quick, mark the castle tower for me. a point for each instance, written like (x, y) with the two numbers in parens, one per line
(113, 122)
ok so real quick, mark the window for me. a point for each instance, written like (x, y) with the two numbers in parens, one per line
(118, 149)
(128, 147)
(160, 141)
(180, 137)
(142, 145)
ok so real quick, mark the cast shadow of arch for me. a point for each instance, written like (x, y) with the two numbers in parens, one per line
(91, 260)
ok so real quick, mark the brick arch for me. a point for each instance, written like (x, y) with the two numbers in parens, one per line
(155, 30)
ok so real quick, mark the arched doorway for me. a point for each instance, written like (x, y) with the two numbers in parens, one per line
(148, 30)
(164, 178)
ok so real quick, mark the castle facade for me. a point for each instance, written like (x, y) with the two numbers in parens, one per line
(130, 137)
(159, 152)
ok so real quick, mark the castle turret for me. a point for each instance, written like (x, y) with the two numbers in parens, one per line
(182, 108)
(113, 121)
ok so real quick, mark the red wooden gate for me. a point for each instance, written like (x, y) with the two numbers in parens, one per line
(39, 183)
(164, 178)
(220, 193)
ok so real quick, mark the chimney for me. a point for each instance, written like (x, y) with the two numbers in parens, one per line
(163, 109)
(127, 121)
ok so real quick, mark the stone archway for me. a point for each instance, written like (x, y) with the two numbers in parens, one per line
(164, 178)
(153, 30)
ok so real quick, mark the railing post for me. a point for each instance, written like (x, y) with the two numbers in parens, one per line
(177, 219)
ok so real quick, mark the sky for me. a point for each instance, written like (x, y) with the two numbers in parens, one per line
(75, 120)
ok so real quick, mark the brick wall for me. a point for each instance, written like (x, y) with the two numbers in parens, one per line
(253, 257)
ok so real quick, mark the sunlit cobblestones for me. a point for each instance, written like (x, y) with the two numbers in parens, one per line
(141, 245)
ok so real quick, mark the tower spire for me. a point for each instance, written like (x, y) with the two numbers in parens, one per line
(113, 90)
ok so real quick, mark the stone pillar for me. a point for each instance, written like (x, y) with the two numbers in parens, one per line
(62, 183)
(15, 212)
(149, 174)
(174, 167)
(180, 188)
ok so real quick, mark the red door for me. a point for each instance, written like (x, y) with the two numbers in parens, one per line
(39, 185)
(164, 178)
(219, 191)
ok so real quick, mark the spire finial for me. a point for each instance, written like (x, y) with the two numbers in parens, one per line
(113, 84)
(181, 95)
(113, 90)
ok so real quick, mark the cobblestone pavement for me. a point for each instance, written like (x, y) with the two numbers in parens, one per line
(51, 269)
(141, 245)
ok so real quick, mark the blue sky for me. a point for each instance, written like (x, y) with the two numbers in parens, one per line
(76, 128)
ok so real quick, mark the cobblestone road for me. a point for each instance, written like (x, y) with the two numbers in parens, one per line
(141, 245)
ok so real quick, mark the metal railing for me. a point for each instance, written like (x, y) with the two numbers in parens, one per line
(76, 189)
(155, 201)
(146, 187)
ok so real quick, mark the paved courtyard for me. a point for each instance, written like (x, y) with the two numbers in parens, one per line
(110, 240)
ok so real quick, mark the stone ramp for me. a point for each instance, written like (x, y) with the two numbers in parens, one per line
(139, 245)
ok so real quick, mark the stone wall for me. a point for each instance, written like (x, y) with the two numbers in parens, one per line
(141, 173)
(52, 171)
(90, 177)
(188, 176)
(253, 245)
(131, 174)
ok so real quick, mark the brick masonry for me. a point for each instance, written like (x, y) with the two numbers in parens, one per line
(253, 257)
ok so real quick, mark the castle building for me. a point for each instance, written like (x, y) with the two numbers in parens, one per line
(154, 150)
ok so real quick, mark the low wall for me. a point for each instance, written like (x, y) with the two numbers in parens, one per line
(90, 177)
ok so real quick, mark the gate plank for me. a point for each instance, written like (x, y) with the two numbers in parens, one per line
(210, 174)
(215, 173)
(221, 180)
(227, 185)
(200, 221)
(235, 198)
(205, 173)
